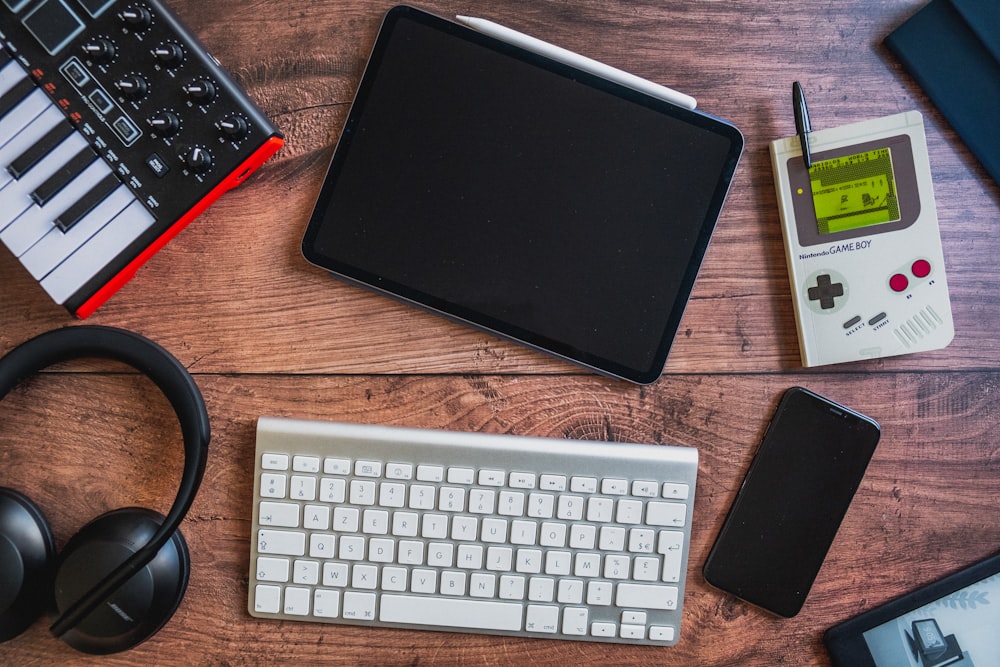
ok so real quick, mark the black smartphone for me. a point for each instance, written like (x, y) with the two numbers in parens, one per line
(792, 501)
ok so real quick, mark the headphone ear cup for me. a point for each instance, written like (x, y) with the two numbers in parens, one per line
(140, 607)
(27, 553)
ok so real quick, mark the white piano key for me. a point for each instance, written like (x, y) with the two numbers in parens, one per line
(25, 139)
(56, 246)
(16, 196)
(36, 222)
(20, 116)
(96, 253)
(11, 74)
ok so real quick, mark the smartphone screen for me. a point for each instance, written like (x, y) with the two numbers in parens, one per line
(795, 494)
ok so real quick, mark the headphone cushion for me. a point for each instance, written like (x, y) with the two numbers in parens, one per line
(140, 607)
(27, 553)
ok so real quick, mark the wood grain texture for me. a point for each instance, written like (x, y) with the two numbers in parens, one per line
(266, 334)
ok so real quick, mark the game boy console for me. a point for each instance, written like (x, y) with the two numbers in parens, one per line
(862, 242)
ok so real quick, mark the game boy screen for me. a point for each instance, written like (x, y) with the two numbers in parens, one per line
(854, 191)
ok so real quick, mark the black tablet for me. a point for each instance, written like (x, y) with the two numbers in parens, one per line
(953, 621)
(521, 195)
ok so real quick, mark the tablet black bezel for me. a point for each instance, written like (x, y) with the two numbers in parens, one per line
(845, 641)
(454, 311)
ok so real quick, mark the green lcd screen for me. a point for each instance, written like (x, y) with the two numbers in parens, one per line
(854, 191)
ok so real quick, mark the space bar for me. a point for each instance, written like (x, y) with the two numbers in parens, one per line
(447, 612)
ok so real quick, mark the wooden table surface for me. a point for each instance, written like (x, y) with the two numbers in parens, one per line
(266, 334)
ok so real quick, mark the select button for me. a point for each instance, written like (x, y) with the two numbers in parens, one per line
(157, 165)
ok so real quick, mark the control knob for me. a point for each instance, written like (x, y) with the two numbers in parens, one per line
(234, 127)
(136, 17)
(201, 91)
(197, 159)
(170, 54)
(100, 50)
(165, 123)
(132, 86)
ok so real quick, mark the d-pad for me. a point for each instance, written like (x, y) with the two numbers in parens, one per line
(825, 291)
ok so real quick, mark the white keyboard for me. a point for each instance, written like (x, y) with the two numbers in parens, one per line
(495, 534)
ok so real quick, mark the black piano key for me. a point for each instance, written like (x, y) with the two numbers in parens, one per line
(57, 181)
(42, 147)
(87, 203)
(13, 97)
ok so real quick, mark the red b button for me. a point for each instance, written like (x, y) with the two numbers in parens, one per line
(921, 268)
(898, 282)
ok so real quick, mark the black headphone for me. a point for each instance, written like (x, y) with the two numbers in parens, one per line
(122, 577)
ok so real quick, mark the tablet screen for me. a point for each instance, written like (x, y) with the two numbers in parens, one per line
(522, 196)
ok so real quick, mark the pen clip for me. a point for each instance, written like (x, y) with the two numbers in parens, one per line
(802, 125)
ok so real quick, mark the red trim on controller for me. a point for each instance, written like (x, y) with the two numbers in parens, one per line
(235, 177)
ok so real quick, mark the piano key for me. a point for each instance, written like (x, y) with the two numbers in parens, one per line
(40, 149)
(71, 216)
(21, 115)
(57, 245)
(16, 195)
(44, 193)
(35, 222)
(27, 137)
(10, 72)
(97, 252)
(15, 95)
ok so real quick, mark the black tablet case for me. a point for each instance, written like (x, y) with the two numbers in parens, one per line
(952, 49)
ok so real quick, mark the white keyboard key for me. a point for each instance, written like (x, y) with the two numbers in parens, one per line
(452, 583)
(453, 612)
(364, 577)
(646, 569)
(499, 559)
(368, 468)
(297, 601)
(394, 579)
(391, 495)
(645, 489)
(422, 581)
(482, 585)
(629, 511)
(461, 475)
(326, 603)
(570, 591)
(599, 593)
(362, 492)
(302, 488)
(381, 550)
(352, 547)
(662, 633)
(646, 596)
(633, 617)
(541, 505)
(575, 621)
(334, 466)
(599, 510)
(582, 536)
(421, 497)
(676, 491)
(272, 569)
(321, 545)
(542, 618)
(529, 561)
(612, 538)
(441, 554)
(583, 484)
(316, 517)
(267, 599)
(335, 574)
(632, 631)
(511, 503)
(305, 464)
(523, 532)
(587, 565)
(616, 567)
(558, 562)
(666, 514)
(601, 629)
(482, 501)
(274, 462)
(553, 534)
(494, 531)
(641, 540)
(272, 485)
(451, 499)
(614, 487)
(282, 515)
(512, 587)
(492, 477)
(332, 490)
(522, 480)
(359, 606)
(435, 526)
(464, 528)
(552, 483)
(570, 508)
(404, 524)
(346, 519)
(541, 589)
(399, 471)
(281, 542)
(429, 473)
(671, 545)
(306, 572)
(411, 552)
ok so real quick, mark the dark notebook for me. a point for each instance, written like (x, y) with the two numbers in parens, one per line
(952, 49)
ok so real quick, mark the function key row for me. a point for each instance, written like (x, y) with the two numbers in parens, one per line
(462, 475)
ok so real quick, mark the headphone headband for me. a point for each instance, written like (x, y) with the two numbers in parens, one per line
(176, 384)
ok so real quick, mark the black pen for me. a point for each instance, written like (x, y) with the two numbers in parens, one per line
(802, 125)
